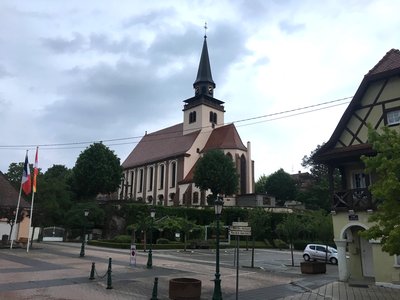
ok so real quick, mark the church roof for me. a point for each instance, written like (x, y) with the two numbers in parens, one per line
(224, 137)
(204, 71)
(165, 143)
(8, 194)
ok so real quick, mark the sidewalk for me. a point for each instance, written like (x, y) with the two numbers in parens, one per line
(57, 272)
(342, 290)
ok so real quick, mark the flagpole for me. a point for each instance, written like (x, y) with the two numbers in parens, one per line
(30, 223)
(16, 214)
(18, 203)
(35, 173)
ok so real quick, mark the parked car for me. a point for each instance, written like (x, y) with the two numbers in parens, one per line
(318, 252)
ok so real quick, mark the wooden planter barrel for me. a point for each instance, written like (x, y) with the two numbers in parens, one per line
(184, 289)
(313, 267)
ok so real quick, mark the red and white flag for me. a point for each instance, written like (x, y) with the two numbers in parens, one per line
(26, 177)
(35, 170)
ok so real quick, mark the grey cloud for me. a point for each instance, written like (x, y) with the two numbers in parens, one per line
(62, 45)
(102, 43)
(119, 98)
(289, 27)
(153, 18)
(4, 72)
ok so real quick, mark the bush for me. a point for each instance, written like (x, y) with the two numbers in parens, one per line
(267, 243)
(300, 244)
(280, 244)
(122, 239)
(162, 241)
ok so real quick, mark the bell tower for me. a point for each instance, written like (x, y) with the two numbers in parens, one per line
(203, 110)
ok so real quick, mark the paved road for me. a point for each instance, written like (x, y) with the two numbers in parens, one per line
(55, 271)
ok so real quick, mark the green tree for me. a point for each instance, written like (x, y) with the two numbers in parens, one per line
(216, 171)
(260, 223)
(317, 196)
(290, 228)
(53, 197)
(97, 170)
(385, 169)
(260, 184)
(14, 173)
(281, 185)
(75, 219)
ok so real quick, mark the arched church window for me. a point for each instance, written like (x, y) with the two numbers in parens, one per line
(192, 117)
(173, 174)
(213, 117)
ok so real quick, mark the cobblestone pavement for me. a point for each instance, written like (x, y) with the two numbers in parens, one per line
(55, 271)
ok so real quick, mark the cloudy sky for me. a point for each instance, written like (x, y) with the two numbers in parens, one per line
(74, 72)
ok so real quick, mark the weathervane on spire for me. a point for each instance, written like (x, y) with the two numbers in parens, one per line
(205, 30)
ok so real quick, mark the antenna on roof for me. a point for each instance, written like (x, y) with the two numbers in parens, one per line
(205, 30)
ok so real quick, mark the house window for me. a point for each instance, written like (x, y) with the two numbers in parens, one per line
(162, 168)
(151, 176)
(192, 117)
(359, 180)
(141, 180)
(173, 174)
(393, 117)
(397, 260)
(195, 197)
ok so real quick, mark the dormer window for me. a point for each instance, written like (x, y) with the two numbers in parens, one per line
(393, 117)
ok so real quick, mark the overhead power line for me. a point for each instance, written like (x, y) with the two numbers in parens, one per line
(130, 140)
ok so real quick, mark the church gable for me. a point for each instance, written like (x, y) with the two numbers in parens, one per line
(225, 137)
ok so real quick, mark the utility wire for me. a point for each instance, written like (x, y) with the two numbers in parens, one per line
(282, 115)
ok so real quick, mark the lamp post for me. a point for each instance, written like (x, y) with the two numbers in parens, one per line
(217, 295)
(86, 213)
(150, 256)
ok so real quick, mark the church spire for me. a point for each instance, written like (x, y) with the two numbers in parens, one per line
(204, 83)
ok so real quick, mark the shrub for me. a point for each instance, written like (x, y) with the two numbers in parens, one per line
(162, 241)
(300, 244)
(280, 244)
(122, 239)
(267, 243)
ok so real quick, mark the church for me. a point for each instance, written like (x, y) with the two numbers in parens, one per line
(159, 170)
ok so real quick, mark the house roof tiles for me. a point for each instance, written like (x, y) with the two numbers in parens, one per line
(8, 194)
(389, 62)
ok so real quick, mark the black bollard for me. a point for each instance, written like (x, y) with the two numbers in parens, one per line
(109, 281)
(154, 294)
(92, 272)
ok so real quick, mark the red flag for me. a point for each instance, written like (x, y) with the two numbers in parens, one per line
(26, 177)
(35, 170)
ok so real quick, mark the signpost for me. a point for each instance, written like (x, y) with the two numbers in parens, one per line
(238, 229)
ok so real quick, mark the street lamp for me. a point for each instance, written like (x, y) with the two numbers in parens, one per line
(86, 213)
(217, 295)
(150, 256)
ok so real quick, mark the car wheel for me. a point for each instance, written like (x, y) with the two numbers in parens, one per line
(306, 257)
(333, 261)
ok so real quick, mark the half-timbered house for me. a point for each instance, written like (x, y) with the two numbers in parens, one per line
(376, 102)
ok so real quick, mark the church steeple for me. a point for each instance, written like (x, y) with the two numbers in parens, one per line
(204, 83)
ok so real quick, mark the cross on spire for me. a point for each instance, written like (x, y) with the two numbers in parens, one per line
(205, 30)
